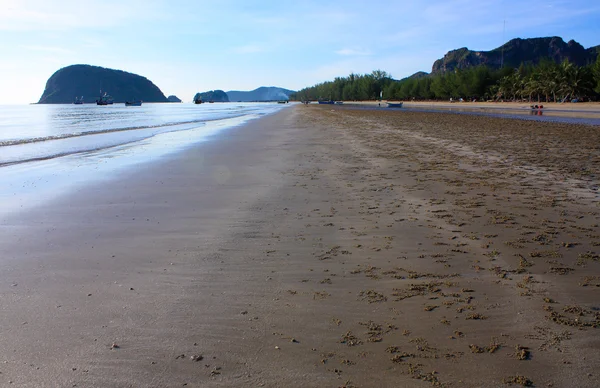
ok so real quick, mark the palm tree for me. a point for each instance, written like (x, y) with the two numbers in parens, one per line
(533, 85)
(511, 85)
(578, 81)
(596, 72)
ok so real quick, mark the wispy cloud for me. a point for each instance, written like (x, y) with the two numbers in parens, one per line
(354, 51)
(48, 49)
(47, 15)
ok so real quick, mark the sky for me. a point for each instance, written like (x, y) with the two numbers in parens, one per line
(185, 47)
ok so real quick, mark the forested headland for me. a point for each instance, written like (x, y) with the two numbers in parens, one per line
(570, 73)
(547, 82)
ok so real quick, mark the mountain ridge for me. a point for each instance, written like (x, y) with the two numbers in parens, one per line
(515, 52)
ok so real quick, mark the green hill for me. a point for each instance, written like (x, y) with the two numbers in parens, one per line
(87, 81)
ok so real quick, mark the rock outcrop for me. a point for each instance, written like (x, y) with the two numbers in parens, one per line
(515, 52)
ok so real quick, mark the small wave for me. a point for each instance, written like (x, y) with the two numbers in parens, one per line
(5, 143)
(68, 153)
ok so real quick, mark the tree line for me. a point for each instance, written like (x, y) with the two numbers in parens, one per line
(547, 81)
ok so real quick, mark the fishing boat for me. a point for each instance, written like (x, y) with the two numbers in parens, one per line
(133, 103)
(78, 101)
(104, 99)
(394, 104)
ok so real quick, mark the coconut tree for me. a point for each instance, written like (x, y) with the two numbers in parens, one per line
(511, 85)
(596, 73)
(575, 81)
(533, 85)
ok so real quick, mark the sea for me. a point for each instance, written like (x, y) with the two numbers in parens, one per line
(49, 150)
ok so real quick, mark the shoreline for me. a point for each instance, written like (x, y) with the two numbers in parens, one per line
(580, 106)
(318, 247)
(579, 114)
(45, 170)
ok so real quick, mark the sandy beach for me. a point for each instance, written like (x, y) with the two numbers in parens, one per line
(321, 246)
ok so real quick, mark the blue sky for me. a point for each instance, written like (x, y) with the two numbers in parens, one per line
(190, 46)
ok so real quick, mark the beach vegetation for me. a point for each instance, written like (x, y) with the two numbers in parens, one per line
(547, 81)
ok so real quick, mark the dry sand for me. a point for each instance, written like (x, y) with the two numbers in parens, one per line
(319, 247)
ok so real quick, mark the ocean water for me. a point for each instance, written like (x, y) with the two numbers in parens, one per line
(47, 150)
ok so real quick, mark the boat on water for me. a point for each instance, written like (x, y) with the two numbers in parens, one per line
(339, 102)
(133, 103)
(330, 102)
(104, 99)
(78, 101)
(282, 102)
(394, 104)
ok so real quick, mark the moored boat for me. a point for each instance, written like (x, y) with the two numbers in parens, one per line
(104, 99)
(331, 102)
(394, 104)
(133, 103)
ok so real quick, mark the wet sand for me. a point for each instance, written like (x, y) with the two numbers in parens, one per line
(319, 247)
(591, 107)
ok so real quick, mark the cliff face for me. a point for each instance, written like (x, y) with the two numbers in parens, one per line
(213, 95)
(517, 51)
(594, 51)
(87, 81)
(263, 93)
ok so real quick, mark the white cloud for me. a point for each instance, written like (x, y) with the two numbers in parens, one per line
(48, 49)
(353, 51)
(47, 15)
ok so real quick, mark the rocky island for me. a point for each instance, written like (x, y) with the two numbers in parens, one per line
(213, 95)
(85, 80)
(264, 93)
